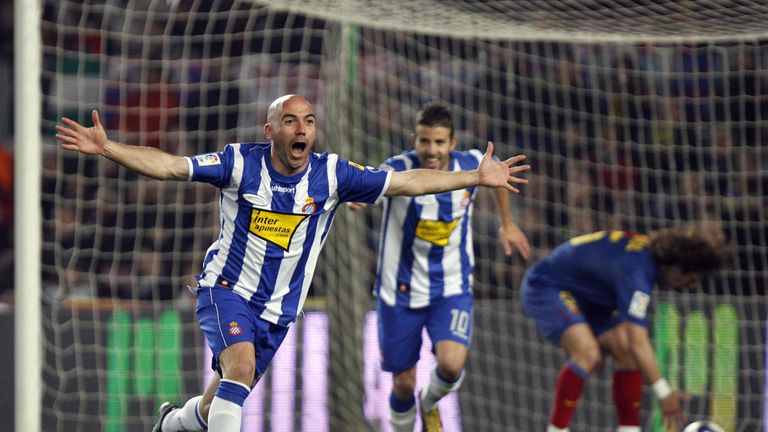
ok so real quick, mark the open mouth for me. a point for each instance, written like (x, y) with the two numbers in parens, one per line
(298, 148)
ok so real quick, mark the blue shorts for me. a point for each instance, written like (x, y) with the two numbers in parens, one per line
(400, 329)
(554, 309)
(226, 318)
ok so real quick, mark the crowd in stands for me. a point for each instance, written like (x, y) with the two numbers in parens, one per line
(619, 134)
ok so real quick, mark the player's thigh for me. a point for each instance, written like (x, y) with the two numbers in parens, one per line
(225, 319)
(451, 319)
(616, 341)
(399, 330)
(269, 337)
(451, 357)
(552, 307)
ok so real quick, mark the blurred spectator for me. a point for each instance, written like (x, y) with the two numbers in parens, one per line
(149, 110)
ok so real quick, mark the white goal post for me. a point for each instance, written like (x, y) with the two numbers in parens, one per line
(635, 115)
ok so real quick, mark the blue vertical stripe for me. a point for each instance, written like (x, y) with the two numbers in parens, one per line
(467, 162)
(405, 265)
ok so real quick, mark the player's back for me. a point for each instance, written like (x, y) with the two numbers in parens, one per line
(595, 262)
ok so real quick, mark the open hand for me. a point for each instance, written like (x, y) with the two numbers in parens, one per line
(500, 174)
(73, 136)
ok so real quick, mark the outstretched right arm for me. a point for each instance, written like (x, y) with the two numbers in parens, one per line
(148, 161)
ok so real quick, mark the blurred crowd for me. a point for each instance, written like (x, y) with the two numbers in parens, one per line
(621, 135)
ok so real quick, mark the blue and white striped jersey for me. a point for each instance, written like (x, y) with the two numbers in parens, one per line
(425, 249)
(272, 226)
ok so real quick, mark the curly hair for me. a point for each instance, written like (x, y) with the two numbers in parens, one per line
(692, 248)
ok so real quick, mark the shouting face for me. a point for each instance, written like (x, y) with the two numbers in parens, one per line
(292, 128)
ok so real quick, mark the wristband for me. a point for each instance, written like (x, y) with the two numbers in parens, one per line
(661, 389)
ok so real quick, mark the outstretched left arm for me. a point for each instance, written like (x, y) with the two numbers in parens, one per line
(490, 173)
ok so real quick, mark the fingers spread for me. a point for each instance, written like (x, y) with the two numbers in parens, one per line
(64, 138)
(70, 122)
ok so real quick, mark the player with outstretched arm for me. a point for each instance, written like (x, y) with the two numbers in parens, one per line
(424, 272)
(277, 202)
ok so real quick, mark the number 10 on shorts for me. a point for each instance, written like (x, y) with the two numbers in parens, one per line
(460, 322)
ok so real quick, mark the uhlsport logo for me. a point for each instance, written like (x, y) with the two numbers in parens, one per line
(234, 329)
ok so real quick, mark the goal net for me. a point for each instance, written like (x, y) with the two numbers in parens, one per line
(634, 115)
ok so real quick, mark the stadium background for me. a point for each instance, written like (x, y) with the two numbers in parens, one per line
(633, 117)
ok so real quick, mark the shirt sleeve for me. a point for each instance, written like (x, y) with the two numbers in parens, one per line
(361, 184)
(635, 289)
(214, 168)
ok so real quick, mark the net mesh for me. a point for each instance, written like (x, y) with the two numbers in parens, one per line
(634, 115)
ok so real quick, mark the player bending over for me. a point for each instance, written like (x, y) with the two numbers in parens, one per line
(591, 295)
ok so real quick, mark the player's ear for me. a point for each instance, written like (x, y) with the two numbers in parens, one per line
(268, 130)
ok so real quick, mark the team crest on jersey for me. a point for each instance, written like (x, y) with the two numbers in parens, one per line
(569, 302)
(638, 307)
(466, 200)
(309, 207)
(435, 232)
(208, 159)
(234, 329)
(276, 228)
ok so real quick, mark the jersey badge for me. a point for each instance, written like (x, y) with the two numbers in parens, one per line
(466, 200)
(309, 206)
(208, 159)
(234, 329)
(638, 307)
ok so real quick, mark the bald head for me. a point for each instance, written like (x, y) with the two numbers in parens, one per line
(292, 129)
(276, 107)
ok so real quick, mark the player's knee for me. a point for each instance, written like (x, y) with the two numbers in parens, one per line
(243, 372)
(404, 383)
(589, 357)
(451, 370)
